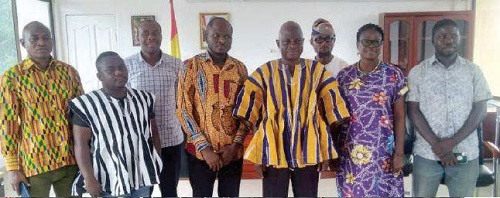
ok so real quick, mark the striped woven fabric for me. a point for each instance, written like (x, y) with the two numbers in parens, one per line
(122, 150)
(291, 114)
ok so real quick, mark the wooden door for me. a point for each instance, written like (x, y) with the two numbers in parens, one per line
(88, 36)
(423, 35)
(398, 45)
(407, 39)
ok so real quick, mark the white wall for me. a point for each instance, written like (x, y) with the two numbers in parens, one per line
(255, 23)
(487, 42)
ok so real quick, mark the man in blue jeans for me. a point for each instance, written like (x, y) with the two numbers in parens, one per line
(446, 103)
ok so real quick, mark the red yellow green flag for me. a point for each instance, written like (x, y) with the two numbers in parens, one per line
(175, 49)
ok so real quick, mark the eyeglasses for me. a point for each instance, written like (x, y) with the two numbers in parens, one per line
(298, 41)
(327, 39)
(371, 43)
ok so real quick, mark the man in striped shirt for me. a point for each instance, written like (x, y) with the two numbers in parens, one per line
(116, 141)
(34, 95)
(290, 103)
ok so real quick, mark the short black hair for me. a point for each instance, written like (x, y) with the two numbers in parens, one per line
(213, 19)
(148, 21)
(369, 26)
(102, 56)
(443, 23)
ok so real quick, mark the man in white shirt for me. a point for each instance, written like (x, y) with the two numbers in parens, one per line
(446, 103)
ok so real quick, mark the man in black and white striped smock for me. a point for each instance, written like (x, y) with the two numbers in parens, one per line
(116, 141)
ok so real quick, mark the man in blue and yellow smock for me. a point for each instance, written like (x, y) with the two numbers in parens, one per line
(290, 103)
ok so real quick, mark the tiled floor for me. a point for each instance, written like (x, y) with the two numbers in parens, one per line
(253, 188)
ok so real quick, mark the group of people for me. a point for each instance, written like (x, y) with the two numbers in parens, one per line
(306, 115)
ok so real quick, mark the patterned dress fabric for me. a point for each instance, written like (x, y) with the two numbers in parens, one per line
(33, 116)
(367, 139)
(205, 102)
(290, 114)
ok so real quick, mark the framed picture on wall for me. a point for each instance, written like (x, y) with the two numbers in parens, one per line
(135, 21)
(204, 19)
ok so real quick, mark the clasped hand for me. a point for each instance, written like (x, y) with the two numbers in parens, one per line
(444, 150)
(216, 160)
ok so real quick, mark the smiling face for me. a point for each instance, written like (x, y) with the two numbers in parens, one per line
(369, 44)
(112, 72)
(150, 36)
(37, 41)
(219, 37)
(446, 41)
(290, 42)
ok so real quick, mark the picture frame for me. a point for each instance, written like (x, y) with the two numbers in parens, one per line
(204, 19)
(135, 21)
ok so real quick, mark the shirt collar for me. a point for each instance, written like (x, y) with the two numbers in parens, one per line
(29, 63)
(434, 61)
(207, 58)
(162, 59)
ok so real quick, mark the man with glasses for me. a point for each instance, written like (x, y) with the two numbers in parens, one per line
(446, 103)
(207, 92)
(36, 142)
(290, 103)
(323, 39)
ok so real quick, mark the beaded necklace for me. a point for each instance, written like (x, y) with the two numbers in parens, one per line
(358, 66)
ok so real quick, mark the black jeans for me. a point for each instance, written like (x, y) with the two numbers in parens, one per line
(169, 177)
(304, 182)
(202, 178)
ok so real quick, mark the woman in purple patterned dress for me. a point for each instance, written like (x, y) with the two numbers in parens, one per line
(371, 142)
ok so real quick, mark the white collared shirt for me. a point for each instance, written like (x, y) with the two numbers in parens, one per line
(446, 97)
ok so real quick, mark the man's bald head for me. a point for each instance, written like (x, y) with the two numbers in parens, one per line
(37, 40)
(290, 42)
(34, 26)
(290, 27)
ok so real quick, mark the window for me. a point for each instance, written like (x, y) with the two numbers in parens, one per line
(8, 41)
(33, 10)
(14, 15)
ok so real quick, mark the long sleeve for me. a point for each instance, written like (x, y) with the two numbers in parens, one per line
(249, 100)
(10, 126)
(77, 86)
(249, 110)
(333, 104)
(243, 129)
(186, 110)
